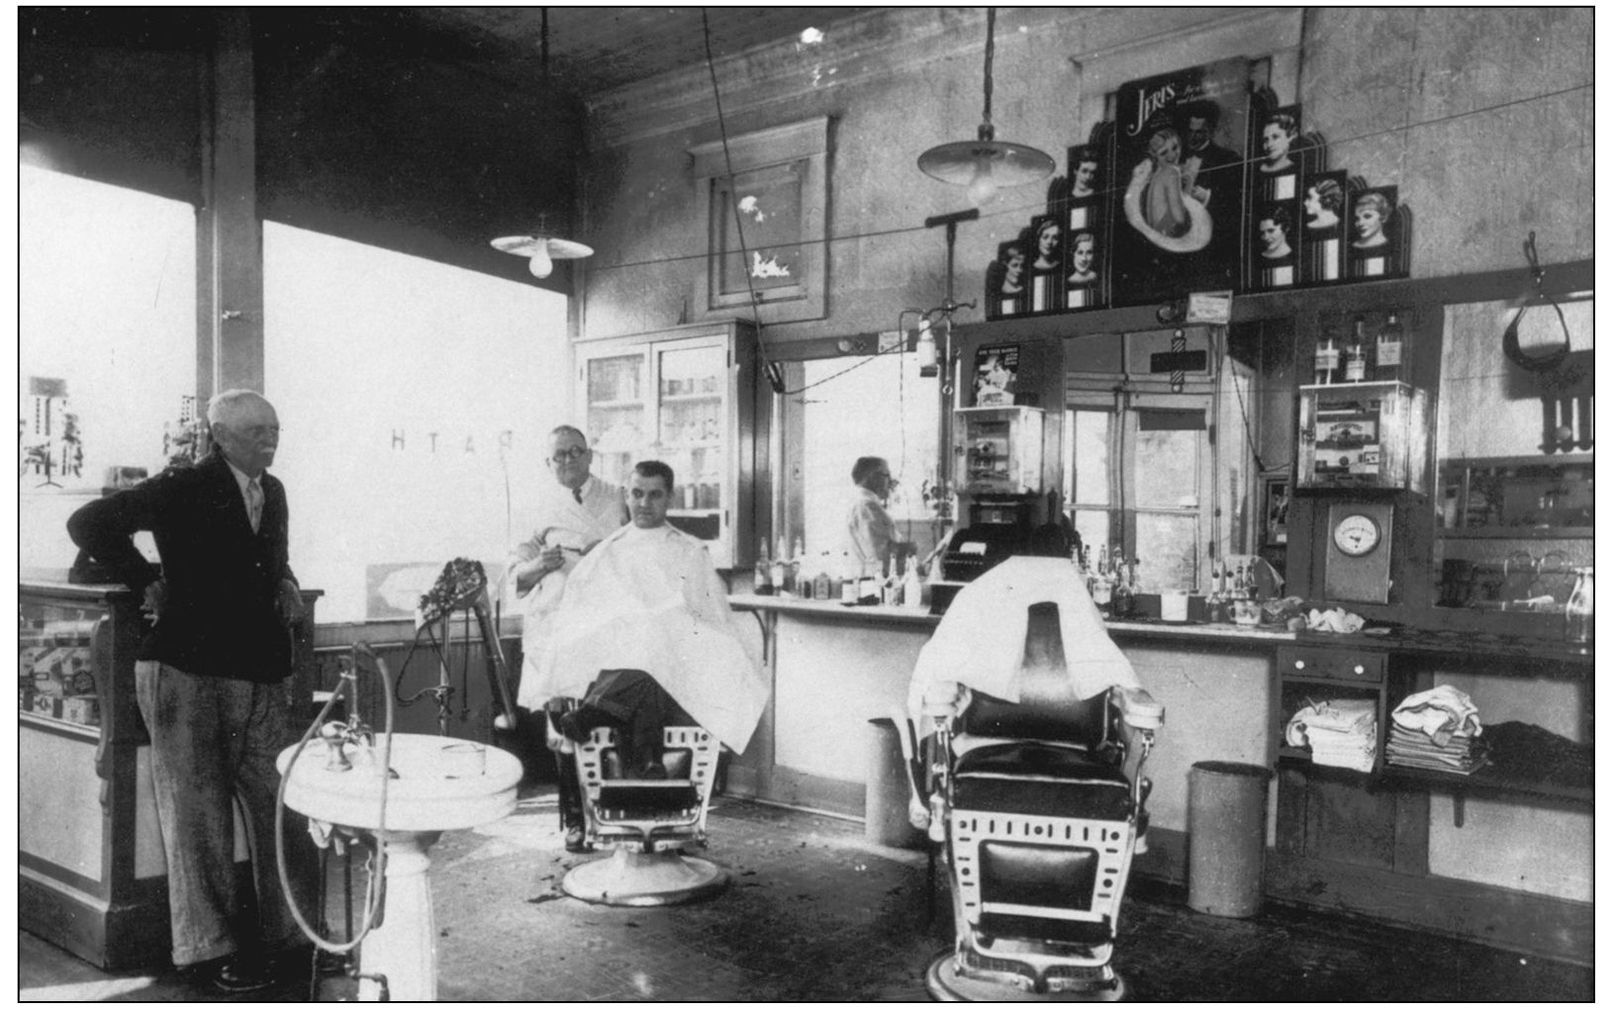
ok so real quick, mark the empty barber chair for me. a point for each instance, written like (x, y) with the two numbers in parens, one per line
(646, 823)
(1038, 808)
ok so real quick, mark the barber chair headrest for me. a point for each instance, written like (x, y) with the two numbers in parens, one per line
(1049, 709)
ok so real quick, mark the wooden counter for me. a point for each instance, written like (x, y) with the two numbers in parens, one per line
(1395, 844)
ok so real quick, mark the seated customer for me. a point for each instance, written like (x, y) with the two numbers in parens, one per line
(644, 635)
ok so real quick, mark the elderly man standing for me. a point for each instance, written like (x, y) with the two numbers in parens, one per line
(577, 511)
(645, 635)
(209, 679)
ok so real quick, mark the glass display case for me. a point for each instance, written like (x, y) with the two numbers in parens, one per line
(92, 877)
(685, 396)
(998, 450)
(1363, 435)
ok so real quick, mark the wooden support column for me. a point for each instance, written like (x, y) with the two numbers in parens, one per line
(229, 240)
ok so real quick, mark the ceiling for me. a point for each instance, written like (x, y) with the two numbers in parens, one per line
(593, 50)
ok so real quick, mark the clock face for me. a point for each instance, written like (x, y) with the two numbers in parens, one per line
(1357, 534)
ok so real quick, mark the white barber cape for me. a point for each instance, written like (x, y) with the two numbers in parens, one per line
(981, 639)
(560, 520)
(650, 600)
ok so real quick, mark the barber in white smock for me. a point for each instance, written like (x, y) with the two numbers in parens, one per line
(574, 515)
(872, 539)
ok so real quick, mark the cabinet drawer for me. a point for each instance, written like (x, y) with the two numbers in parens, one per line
(1333, 664)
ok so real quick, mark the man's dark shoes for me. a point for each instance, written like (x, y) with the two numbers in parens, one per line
(576, 724)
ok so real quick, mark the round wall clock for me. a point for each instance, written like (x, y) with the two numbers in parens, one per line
(1356, 534)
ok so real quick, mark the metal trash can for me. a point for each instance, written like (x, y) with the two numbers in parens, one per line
(1227, 837)
(886, 789)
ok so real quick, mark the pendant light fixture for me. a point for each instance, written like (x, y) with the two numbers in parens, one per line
(541, 251)
(986, 165)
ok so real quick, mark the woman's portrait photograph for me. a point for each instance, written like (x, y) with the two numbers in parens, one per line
(1324, 202)
(1082, 283)
(1376, 243)
(1083, 190)
(1273, 247)
(1084, 250)
(1006, 281)
(1279, 132)
(1323, 228)
(1046, 244)
(1083, 169)
(1279, 151)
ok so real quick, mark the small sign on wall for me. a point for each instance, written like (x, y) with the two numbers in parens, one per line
(996, 369)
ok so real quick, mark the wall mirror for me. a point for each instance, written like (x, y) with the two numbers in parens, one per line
(1513, 500)
(836, 410)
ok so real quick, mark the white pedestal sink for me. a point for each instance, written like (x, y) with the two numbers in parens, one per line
(441, 784)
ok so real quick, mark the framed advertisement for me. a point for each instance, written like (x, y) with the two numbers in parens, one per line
(1177, 182)
(1275, 508)
(994, 378)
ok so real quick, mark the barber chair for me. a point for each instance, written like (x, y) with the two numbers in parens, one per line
(646, 823)
(1038, 807)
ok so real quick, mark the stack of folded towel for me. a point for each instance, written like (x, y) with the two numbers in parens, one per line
(1437, 730)
(1341, 733)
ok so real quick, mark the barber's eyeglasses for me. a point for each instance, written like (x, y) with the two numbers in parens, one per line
(568, 456)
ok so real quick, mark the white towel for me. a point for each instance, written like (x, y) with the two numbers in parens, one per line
(981, 641)
(1440, 713)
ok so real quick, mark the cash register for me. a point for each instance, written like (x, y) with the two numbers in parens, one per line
(998, 472)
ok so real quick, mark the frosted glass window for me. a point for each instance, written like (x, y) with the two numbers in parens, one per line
(415, 402)
(106, 345)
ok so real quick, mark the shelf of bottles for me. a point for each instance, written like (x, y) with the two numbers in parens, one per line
(1361, 424)
(617, 417)
(837, 578)
(690, 429)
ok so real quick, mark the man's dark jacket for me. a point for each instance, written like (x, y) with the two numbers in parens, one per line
(219, 617)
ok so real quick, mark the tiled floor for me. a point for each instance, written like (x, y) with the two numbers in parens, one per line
(814, 912)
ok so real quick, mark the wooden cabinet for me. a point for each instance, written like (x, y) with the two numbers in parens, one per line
(92, 877)
(690, 397)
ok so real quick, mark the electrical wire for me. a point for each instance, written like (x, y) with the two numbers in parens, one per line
(1041, 205)
(775, 378)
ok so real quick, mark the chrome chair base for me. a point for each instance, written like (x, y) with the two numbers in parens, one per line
(945, 983)
(630, 878)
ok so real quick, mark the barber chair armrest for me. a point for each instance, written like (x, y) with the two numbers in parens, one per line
(1140, 710)
(944, 701)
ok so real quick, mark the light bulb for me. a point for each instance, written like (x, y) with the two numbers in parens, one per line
(541, 264)
(982, 188)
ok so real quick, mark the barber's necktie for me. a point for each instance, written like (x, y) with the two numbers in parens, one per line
(577, 494)
(255, 503)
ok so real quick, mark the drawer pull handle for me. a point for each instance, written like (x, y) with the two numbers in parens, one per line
(1357, 670)
(1300, 665)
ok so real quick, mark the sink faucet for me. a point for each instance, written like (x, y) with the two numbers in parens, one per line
(338, 736)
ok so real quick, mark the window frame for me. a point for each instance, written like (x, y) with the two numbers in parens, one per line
(1124, 406)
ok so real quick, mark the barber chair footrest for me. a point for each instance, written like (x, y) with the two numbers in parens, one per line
(630, 878)
(945, 983)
